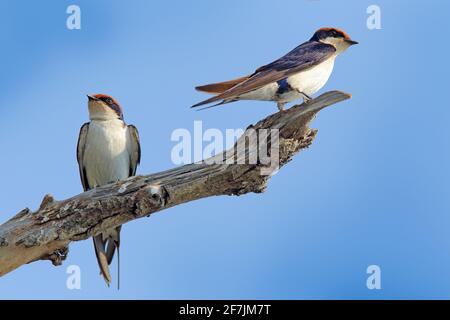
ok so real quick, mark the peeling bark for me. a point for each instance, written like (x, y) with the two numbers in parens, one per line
(46, 233)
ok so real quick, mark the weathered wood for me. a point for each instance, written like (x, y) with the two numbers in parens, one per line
(46, 233)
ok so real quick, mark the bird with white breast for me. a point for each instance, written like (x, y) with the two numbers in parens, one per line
(297, 75)
(108, 151)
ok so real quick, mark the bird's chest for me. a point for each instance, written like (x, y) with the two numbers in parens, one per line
(313, 79)
(106, 157)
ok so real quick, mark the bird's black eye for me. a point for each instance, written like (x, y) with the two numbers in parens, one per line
(338, 34)
(109, 101)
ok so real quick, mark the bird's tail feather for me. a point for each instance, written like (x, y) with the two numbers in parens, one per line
(102, 259)
(220, 87)
(118, 268)
(105, 249)
(218, 104)
(110, 250)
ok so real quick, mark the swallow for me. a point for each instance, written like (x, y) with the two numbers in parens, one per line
(297, 75)
(108, 150)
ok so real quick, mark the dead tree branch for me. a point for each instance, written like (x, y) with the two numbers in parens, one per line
(47, 232)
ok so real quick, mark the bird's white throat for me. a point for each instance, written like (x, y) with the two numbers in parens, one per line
(98, 110)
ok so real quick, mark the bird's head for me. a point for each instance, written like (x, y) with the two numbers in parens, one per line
(336, 37)
(104, 107)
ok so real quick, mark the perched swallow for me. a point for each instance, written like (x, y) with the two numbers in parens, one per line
(299, 74)
(108, 151)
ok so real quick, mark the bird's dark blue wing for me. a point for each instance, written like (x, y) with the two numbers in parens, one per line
(305, 56)
(302, 57)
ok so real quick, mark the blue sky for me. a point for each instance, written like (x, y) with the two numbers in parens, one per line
(373, 188)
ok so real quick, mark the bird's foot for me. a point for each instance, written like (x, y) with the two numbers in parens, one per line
(306, 98)
(281, 107)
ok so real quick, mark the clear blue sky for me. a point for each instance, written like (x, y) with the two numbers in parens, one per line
(373, 188)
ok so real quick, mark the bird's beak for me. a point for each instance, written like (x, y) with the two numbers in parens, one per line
(92, 98)
(351, 42)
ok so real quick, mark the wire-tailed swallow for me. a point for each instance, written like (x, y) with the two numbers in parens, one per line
(108, 151)
(299, 74)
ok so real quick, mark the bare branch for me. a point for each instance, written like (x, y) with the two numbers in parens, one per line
(46, 233)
